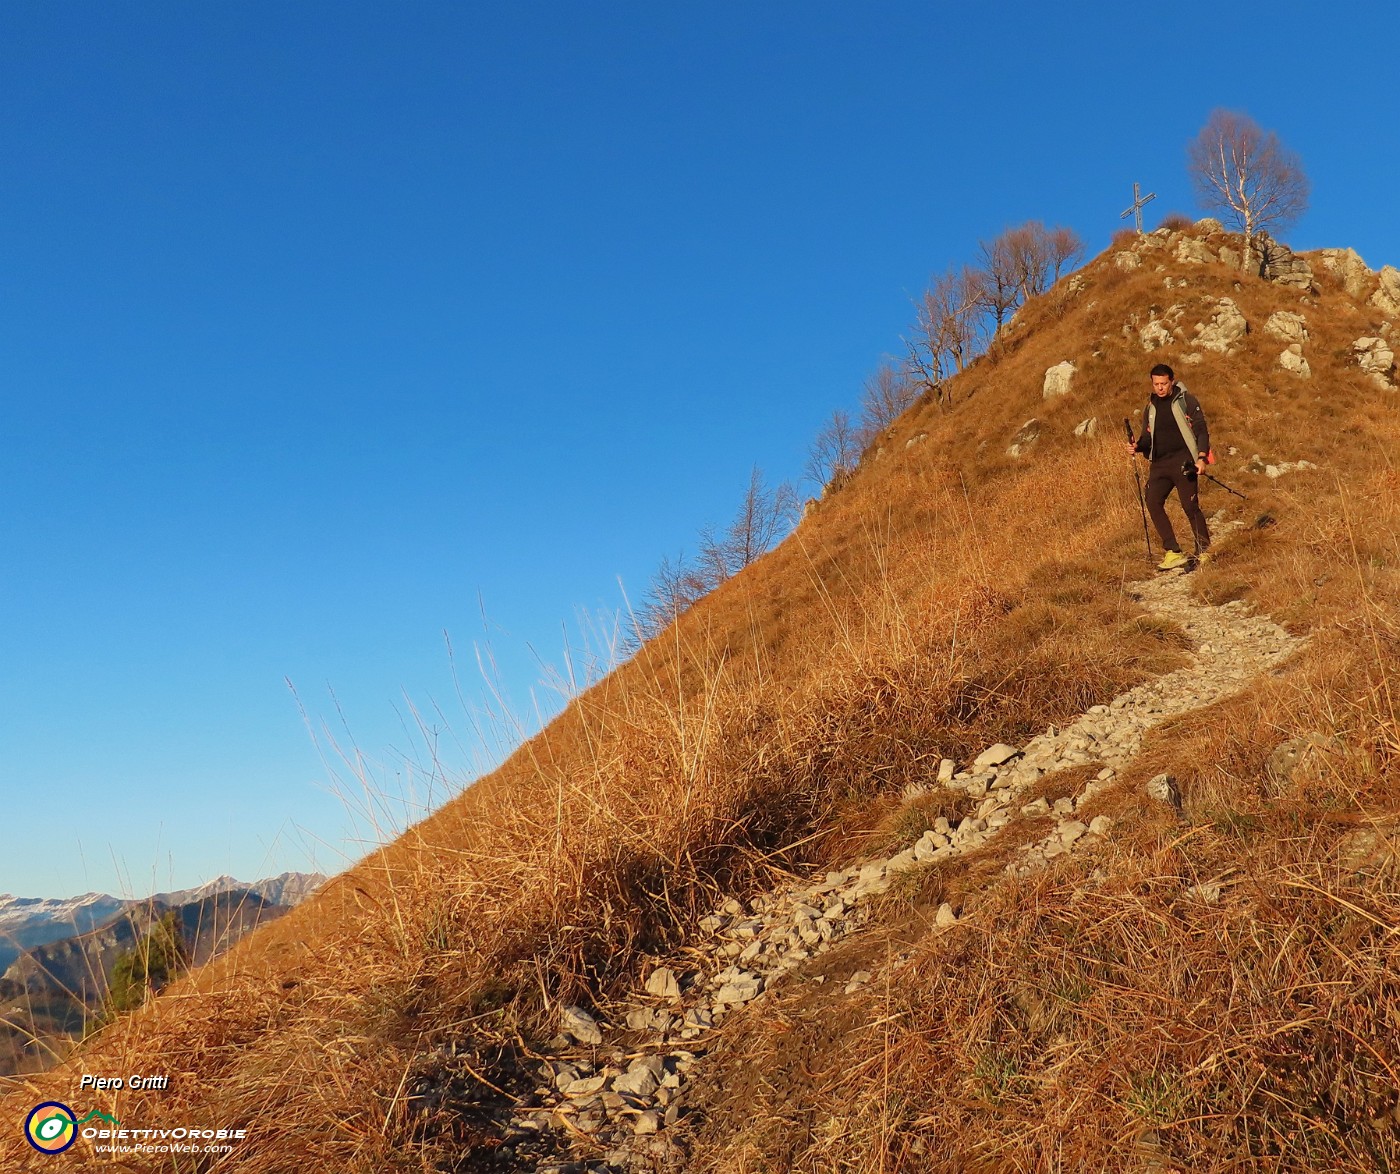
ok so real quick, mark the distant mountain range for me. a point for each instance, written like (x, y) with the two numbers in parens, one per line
(35, 921)
(58, 955)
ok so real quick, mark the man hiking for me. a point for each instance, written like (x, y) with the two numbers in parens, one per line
(1174, 439)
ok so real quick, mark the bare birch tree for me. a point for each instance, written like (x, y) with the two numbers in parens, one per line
(1246, 174)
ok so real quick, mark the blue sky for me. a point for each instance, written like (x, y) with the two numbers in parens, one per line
(328, 329)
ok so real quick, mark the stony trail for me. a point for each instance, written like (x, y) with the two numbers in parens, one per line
(610, 1091)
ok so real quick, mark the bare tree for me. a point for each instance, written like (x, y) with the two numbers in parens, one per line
(1066, 251)
(764, 515)
(948, 330)
(835, 450)
(1038, 255)
(886, 394)
(674, 587)
(1246, 174)
(999, 289)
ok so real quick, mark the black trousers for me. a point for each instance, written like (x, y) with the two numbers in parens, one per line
(1165, 475)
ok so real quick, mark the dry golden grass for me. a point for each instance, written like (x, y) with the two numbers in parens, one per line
(947, 597)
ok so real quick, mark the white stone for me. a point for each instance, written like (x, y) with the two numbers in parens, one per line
(1126, 260)
(1374, 356)
(1193, 251)
(1292, 360)
(1348, 265)
(1087, 428)
(1225, 328)
(996, 755)
(1288, 326)
(1058, 379)
(663, 984)
(946, 767)
(945, 915)
(1155, 334)
(1387, 297)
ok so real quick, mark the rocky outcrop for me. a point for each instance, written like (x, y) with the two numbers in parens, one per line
(1348, 267)
(1058, 379)
(1226, 328)
(1155, 334)
(1288, 326)
(1374, 356)
(1387, 297)
(1191, 250)
(1279, 263)
(1021, 443)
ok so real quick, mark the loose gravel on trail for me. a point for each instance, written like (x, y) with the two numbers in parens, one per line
(616, 1084)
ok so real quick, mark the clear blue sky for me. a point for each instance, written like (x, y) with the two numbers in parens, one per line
(327, 328)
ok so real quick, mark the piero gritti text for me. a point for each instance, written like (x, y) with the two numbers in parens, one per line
(136, 1083)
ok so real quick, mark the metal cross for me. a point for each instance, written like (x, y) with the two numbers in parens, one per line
(1136, 210)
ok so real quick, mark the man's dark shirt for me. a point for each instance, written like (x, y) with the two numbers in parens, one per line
(1167, 441)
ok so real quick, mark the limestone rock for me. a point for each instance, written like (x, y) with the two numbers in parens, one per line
(1292, 360)
(1288, 326)
(945, 916)
(1127, 260)
(1022, 441)
(995, 755)
(1155, 334)
(1387, 297)
(1230, 257)
(1347, 265)
(1087, 428)
(1058, 379)
(1209, 224)
(1194, 251)
(1163, 788)
(1281, 264)
(1226, 327)
(578, 1023)
(1374, 356)
(663, 984)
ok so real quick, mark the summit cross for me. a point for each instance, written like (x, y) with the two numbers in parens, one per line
(1136, 210)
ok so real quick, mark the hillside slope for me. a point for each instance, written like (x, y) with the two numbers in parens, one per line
(1085, 1013)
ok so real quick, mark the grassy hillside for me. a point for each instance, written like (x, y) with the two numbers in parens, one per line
(948, 597)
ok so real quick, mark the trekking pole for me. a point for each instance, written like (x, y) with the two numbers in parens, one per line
(1128, 428)
(1225, 487)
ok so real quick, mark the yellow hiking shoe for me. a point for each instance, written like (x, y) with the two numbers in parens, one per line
(1171, 560)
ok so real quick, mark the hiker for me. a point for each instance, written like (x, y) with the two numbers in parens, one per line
(1174, 438)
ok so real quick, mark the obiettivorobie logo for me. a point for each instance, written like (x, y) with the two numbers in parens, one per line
(52, 1127)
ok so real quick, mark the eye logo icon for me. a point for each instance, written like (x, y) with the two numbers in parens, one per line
(51, 1127)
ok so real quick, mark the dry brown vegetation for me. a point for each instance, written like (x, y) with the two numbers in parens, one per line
(1095, 1017)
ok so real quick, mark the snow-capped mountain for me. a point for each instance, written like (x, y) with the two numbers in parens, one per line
(35, 921)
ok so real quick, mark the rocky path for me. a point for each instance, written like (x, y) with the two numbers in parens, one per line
(610, 1093)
